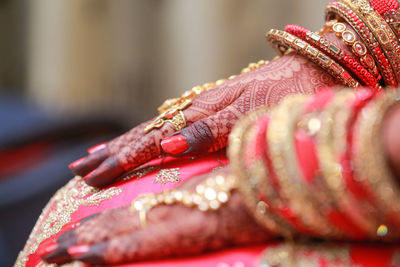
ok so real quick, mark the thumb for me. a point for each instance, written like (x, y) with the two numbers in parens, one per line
(205, 135)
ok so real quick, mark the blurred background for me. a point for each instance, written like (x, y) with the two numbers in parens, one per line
(77, 72)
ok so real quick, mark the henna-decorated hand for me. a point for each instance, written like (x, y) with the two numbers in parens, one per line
(116, 236)
(210, 118)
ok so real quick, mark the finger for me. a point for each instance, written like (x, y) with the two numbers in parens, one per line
(175, 231)
(132, 135)
(208, 134)
(55, 249)
(108, 226)
(100, 152)
(146, 148)
(163, 237)
(87, 164)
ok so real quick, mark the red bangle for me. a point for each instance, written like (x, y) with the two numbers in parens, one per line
(383, 6)
(337, 54)
(341, 10)
(306, 151)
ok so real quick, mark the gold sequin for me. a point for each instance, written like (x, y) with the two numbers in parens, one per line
(58, 211)
(168, 176)
(307, 255)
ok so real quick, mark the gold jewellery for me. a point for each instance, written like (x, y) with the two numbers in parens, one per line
(208, 196)
(174, 116)
(171, 110)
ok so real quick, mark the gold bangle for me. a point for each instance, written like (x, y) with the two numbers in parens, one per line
(381, 30)
(249, 185)
(331, 143)
(371, 166)
(284, 41)
(340, 10)
(280, 136)
(358, 48)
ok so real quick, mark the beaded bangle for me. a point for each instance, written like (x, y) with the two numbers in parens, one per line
(280, 136)
(389, 10)
(382, 31)
(357, 47)
(371, 166)
(282, 41)
(382, 6)
(337, 54)
(340, 10)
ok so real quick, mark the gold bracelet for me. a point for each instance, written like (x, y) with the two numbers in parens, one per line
(283, 42)
(249, 186)
(171, 110)
(338, 10)
(195, 91)
(381, 30)
(358, 48)
(280, 136)
(209, 195)
(371, 165)
(331, 143)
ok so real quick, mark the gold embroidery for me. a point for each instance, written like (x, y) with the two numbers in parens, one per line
(307, 255)
(168, 176)
(71, 264)
(58, 212)
(139, 173)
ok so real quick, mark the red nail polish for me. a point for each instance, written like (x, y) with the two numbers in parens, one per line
(75, 163)
(175, 144)
(47, 247)
(76, 251)
(96, 148)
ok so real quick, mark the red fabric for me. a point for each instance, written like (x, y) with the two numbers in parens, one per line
(21, 159)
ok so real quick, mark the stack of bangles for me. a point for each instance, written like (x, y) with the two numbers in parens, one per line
(304, 169)
(374, 40)
(308, 172)
(371, 29)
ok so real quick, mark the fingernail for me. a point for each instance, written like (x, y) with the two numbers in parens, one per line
(76, 251)
(47, 247)
(97, 148)
(175, 144)
(75, 163)
(87, 164)
(107, 172)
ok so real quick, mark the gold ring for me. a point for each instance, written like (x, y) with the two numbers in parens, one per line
(178, 121)
(173, 115)
(142, 218)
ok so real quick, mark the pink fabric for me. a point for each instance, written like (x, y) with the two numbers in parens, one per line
(248, 256)
(364, 255)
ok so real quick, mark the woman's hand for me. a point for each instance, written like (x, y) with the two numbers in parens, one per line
(210, 118)
(116, 236)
